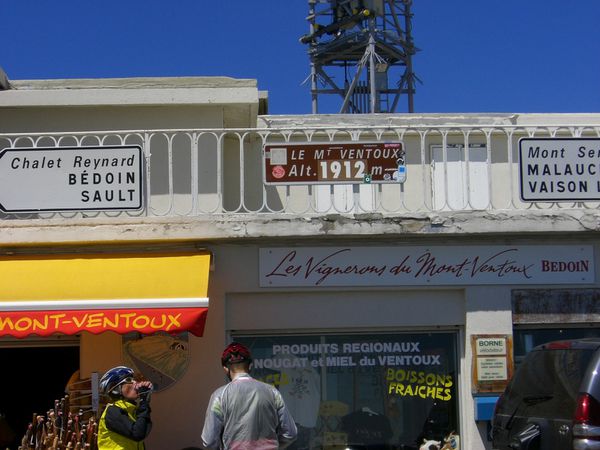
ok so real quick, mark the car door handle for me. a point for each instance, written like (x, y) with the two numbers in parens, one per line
(563, 430)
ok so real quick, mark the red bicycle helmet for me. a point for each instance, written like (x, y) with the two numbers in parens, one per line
(235, 353)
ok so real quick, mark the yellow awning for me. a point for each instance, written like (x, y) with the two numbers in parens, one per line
(148, 292)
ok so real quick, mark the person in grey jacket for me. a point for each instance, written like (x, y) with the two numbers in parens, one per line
(246, 414)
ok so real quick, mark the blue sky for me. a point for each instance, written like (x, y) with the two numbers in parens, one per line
(476, 55)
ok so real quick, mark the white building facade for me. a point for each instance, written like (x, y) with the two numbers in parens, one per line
(363, 303)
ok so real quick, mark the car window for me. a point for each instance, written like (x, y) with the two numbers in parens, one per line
(525, 339)
(547, 383)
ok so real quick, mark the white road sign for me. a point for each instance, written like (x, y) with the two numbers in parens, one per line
(557, 169)
(71, 179)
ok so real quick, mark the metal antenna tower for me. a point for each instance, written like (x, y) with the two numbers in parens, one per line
(362, 51)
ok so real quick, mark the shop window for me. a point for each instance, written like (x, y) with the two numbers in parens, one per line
(546, 315)
(371, 391)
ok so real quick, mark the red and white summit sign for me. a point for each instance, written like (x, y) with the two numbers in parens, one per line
(414, 266)
(332, 163)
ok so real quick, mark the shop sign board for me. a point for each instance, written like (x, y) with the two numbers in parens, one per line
(490, 346)
(58, 179)
(21, 324)
(333, 163)
(559, 169)
(492, 369)
(493, 365)
(426, 266)
(413, 366)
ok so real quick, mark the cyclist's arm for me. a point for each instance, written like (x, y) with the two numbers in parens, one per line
(213, 424)
(119, 422)
(286, 431)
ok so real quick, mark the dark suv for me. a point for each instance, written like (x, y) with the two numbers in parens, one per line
(553, 400)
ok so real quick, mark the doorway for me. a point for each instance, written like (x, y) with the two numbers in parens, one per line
(31, 378)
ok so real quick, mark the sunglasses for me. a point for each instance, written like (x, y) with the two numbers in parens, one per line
(128, 380)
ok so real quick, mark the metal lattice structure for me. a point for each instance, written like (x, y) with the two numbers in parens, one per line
(362, 51)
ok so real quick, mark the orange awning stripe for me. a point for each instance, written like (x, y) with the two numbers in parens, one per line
(146, 321)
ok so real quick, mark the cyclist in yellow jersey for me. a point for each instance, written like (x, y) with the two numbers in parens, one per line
(125, 422)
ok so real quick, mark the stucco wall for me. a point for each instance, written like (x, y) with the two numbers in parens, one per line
(236, 301)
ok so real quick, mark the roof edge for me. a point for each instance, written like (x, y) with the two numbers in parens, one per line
(134, 83)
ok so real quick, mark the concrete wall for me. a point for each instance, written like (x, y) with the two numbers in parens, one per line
(237, 303)
(70, 107)
(500, 132)
(488, 311)
(71, 119)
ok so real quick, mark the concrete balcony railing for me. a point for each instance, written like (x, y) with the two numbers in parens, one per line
(469, 165)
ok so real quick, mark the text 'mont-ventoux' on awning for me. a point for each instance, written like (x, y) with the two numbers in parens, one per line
(144, 292)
